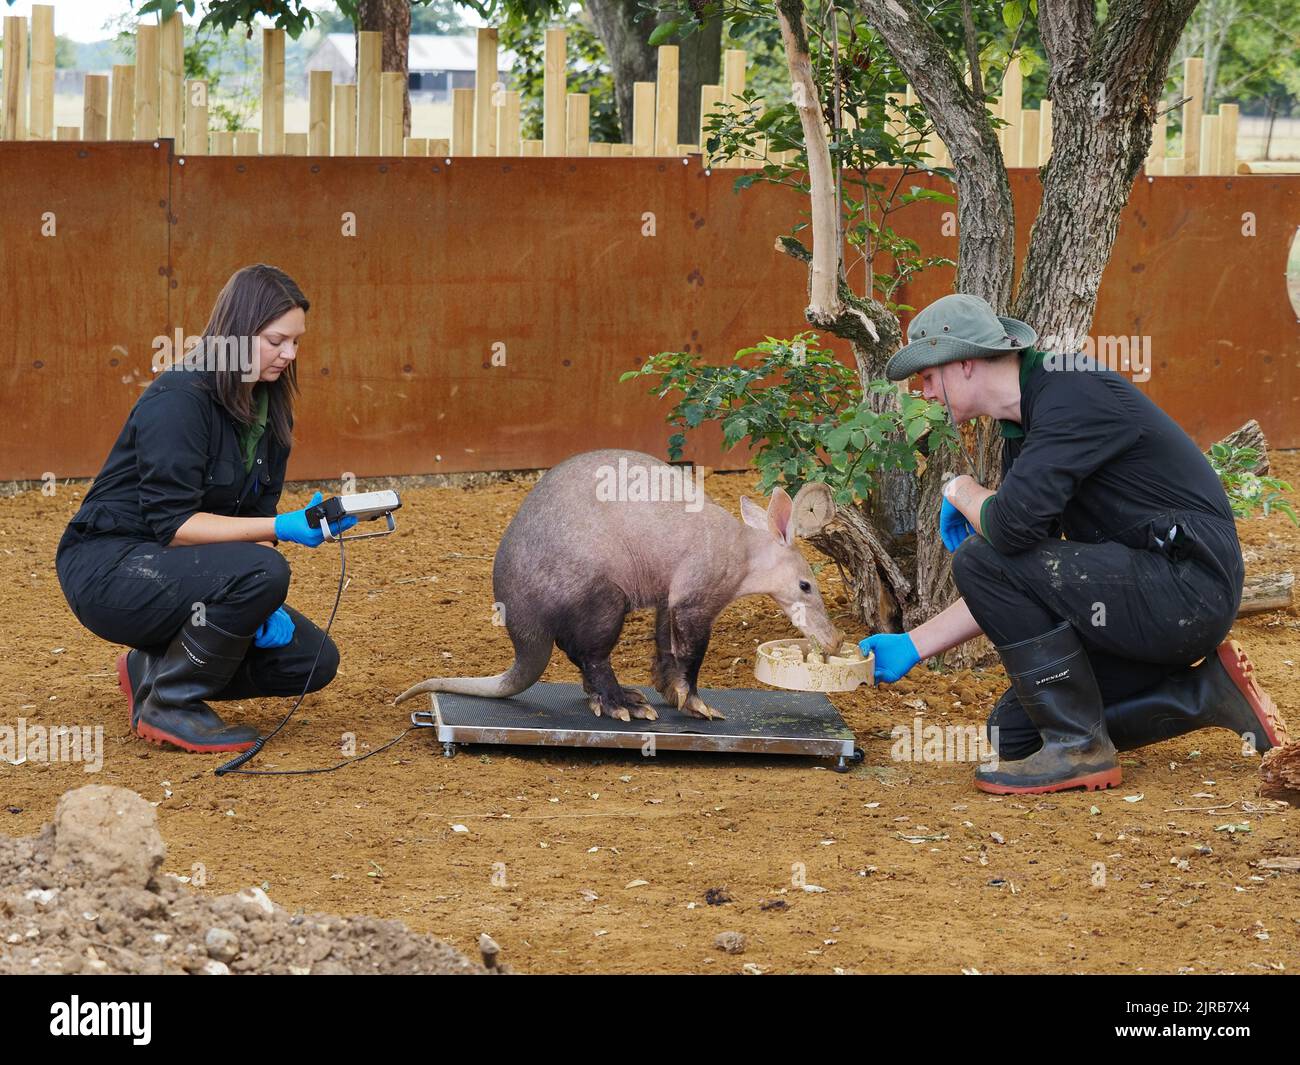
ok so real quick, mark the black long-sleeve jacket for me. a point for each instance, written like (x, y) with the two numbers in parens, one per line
(1098, 461)
(179, 454)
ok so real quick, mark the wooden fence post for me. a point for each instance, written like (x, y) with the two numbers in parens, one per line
(554, 87)
(666, 87)
(196, 117)
(272, 92)
(507, 124)
(41, 124)
(370, 50)
(94, 108)
(1193, 89)
(485, 85)
(122, 123)
(320, 93)
(577, 121)
(392, 84)
(345, 120)
(147, 81)
(462, 121)
(171, 99)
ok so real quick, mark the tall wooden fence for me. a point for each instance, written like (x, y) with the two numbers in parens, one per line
(151, 98)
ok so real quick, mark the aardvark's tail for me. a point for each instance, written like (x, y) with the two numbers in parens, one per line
(530, 662)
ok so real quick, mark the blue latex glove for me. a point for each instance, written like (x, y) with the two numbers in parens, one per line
(895, 654)
(953, 526)
(294, 527)
(275, 631)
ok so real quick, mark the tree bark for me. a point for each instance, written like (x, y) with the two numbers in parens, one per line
(1105, 84)
(633, 59)
(1267, 591)
(1251, 435)
(392, 18)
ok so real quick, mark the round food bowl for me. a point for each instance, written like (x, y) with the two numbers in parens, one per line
(777, 664)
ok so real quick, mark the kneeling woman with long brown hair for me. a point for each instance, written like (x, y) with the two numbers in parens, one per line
(172, 552)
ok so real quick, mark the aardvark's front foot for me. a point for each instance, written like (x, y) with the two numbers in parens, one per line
(630, 703)
(688, 700)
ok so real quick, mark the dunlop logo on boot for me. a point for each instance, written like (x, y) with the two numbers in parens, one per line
(1054, 677)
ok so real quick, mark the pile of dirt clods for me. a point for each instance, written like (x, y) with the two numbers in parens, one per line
(84, 896)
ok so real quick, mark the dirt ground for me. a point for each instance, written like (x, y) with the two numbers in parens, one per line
(604, 862)
(84, 896)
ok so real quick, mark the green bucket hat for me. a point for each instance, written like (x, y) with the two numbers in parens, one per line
(957, 327)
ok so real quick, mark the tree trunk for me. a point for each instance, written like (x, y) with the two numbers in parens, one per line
(1104, 86)
(392, 18)
(633, 59)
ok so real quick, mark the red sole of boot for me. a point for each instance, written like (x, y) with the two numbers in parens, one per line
(1110, 778)
(156, 736)
(1242, 673)
(124, 682)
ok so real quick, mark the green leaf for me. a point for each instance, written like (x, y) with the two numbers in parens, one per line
(837, 439)
(663, 32)
(1012, 13)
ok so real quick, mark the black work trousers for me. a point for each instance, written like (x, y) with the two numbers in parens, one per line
(138, 593)
(1141, 613)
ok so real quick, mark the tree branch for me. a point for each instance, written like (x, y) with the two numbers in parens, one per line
(986, 224)
(823, 290)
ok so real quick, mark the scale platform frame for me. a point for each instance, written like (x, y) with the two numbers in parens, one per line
(767, 722)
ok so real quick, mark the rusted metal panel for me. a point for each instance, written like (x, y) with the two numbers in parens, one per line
(1225, 343)
(568, 272)
(79, 308)
(572, 270)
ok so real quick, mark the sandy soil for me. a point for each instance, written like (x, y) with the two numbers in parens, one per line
(84, 896)
(597, 862)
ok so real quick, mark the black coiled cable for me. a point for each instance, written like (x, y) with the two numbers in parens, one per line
(233, 766)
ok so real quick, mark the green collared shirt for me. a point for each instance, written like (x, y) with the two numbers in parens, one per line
(1029, 362)
(249, 435)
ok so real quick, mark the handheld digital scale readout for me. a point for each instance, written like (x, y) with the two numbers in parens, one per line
(364, 506)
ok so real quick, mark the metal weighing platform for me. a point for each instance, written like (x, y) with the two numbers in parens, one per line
(557, 715)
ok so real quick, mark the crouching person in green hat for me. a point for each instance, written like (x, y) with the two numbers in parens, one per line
(1105, 569)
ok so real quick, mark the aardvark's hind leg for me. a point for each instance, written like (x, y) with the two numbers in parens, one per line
(588, 639)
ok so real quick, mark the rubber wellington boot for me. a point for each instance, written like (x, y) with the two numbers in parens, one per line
(1054, 682)
(197, 665)
(1220, 692)
(134, 675)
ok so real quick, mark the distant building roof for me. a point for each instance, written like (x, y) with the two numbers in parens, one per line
(427, 51)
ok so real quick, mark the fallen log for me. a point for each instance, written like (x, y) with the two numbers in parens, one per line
(1267, 591)
(1279, 773)
(1250, 435)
